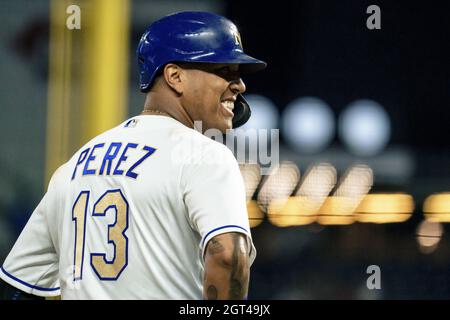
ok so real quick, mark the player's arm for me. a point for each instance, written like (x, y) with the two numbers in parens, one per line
(8, 292)
(226, 267)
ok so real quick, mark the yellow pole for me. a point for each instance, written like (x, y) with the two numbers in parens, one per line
(106, 66)
(60, 48)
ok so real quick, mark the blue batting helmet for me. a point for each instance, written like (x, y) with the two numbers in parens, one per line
(194, 37)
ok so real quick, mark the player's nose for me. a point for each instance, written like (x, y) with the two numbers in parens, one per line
(238, 86)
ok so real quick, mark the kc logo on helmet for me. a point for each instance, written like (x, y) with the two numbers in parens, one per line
(237, 37)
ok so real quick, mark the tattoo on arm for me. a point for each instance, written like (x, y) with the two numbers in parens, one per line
(228, 256)
(238, 277)
(215, 247)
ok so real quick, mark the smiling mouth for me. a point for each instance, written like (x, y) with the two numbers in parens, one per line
(229, 106)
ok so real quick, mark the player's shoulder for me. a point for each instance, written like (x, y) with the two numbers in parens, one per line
(204, 153)
(59, 177)
(207, 147)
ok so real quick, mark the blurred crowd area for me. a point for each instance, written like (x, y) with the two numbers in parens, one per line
(343, 97)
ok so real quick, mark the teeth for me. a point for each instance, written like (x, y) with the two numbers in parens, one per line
(229, 105)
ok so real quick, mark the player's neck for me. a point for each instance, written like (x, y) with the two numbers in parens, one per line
(157, 104)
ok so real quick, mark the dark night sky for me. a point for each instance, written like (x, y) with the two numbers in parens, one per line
(323, 49)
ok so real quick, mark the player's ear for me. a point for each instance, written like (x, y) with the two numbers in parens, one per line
(175, 77)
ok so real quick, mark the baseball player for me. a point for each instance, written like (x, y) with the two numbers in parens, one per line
(151, 209)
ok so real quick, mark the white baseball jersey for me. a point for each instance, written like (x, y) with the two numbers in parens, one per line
(129, 216)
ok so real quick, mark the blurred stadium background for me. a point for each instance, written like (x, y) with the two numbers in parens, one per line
(363, 118)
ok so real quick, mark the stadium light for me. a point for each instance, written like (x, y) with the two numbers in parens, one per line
(308, 124)
(265, 114)
(364, 127)
(278, 186)
(429, 235)
(255, 215)
(294, 211)
(353, 186)
(437, 207)
(385, 208)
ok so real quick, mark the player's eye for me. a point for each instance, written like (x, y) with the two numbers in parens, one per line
(227, 73)
(223, 70)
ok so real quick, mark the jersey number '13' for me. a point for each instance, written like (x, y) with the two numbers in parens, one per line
(105, 270)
